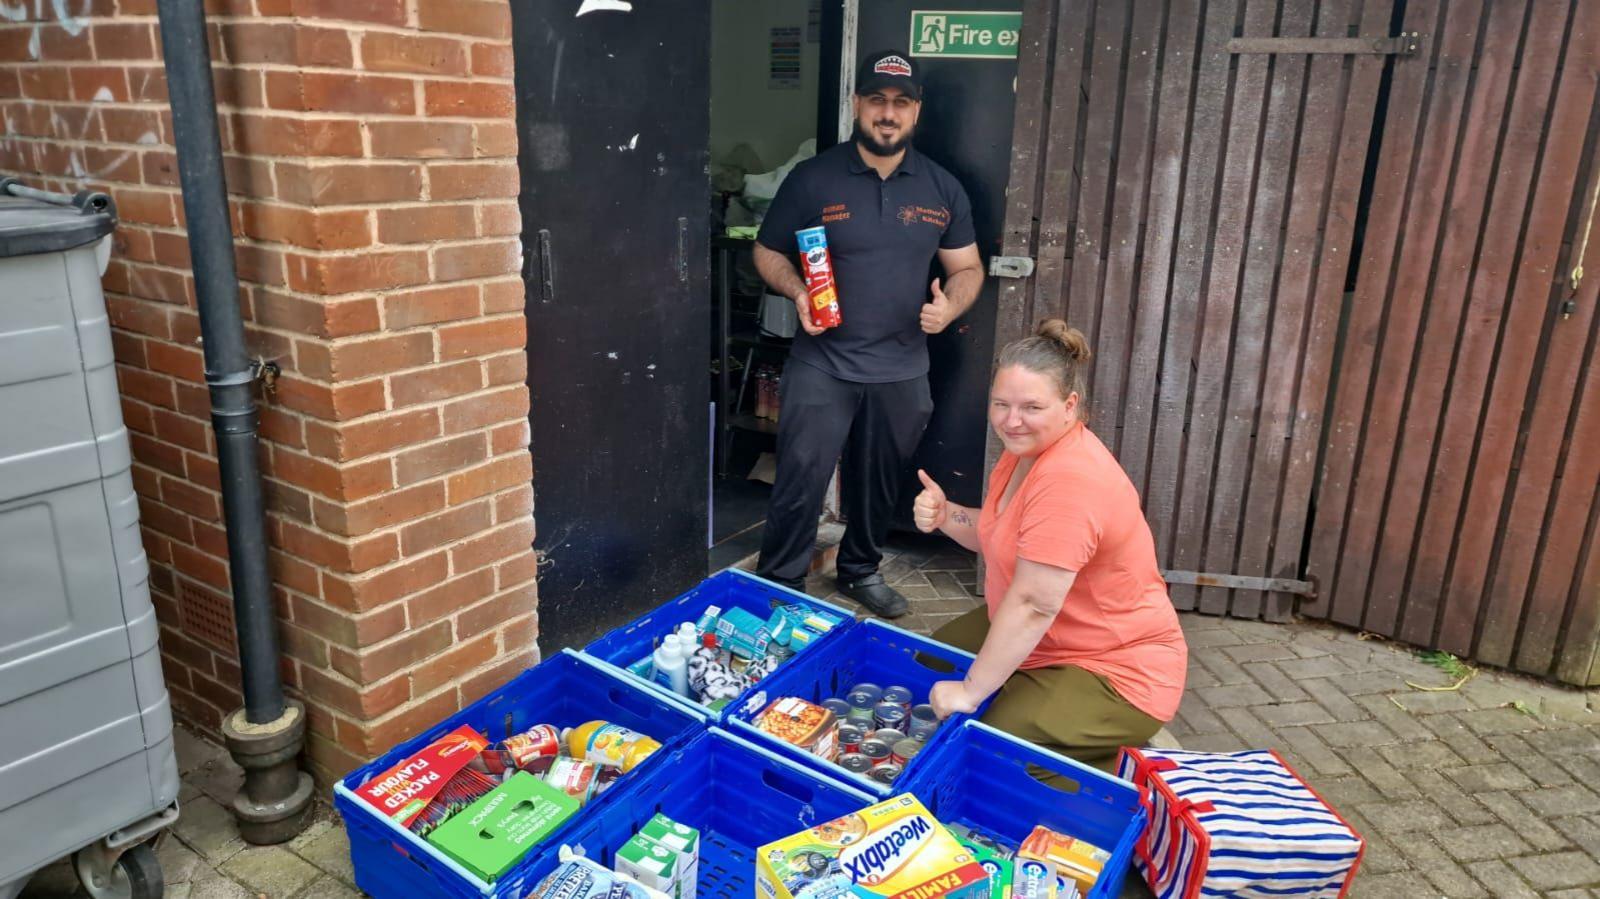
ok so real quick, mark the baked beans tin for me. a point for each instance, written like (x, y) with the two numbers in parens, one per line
(923, 721)
(875, 750)
(889, 714)
(839, 707)
(864, 694)
(855, 763)
(905, 750)
(850, 736)
(886, 772)
(888, 735)
(900, 696)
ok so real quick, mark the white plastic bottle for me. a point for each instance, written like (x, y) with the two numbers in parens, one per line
(671, 670)
(688, 637)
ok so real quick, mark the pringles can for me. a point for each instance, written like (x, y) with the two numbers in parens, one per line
(817, 267)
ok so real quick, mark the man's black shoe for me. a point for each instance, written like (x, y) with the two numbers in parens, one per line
(879, 598)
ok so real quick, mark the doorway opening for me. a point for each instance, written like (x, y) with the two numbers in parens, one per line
(774, 89)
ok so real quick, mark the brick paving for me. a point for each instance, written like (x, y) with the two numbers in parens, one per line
(1460, 793)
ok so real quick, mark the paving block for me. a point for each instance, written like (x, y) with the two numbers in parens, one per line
(1345, 734)
(1583, 832)
(1428, 754)
(1484, 722)
(1398, 885)
(218, 886)
(209, 829)
(1350, 791)
(1532, 762)
(1558, 870)
(1421, 702)
(1249, 728)
(1315, 752)
(1558, 802)
(1440, 869)
(1234, 695)
(1224, 669)
(1575, 741)
(326, 845)
(1405, 726)
(1528, 825)
(272, 870)
(1293, 714)
(1481, 842)
(329, 888)
(1380, 857)
(1463, 741)
(1463, 809)
(179, 863)
(1315, 666)
(1330, 695)
(1500, 880)
(1223, 742)
(1198, 718)
(1490, 778)
(1406, 816)
(1281, 687)
(1260, 652)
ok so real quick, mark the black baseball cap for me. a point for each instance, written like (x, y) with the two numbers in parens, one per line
(889, 68)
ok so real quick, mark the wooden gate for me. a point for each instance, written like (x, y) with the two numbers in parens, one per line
(1457, 506)
(1189, 192)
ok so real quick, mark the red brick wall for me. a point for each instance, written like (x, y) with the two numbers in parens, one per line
(370, 149)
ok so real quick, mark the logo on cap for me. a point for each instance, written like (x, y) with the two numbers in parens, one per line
(892, 65)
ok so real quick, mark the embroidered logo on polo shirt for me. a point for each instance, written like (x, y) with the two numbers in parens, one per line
(910, 215)
(892, 65)
(838, 212)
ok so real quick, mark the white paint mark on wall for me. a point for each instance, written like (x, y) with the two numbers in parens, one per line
(590, 6)
(74, 25)
(611, 355)
(633, 143)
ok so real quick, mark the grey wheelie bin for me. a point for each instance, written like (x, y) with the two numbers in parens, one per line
(86, 752)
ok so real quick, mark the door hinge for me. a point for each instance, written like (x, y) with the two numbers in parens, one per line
(1241, 582)
(1399, 45)
(547, 276)
(1010, 266)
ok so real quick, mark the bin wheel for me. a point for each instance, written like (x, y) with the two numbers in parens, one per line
(136, 875)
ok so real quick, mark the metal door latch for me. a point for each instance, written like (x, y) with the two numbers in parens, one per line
(1010, 266)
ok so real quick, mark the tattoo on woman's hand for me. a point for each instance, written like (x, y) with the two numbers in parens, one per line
(960, 516)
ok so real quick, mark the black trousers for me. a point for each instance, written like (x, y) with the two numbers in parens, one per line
(871, 430)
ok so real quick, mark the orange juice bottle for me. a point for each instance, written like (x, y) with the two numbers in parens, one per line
(611, 745)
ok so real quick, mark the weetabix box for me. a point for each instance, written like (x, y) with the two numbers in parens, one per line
(892, 850)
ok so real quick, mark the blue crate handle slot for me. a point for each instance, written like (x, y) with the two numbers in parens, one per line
(792, 787)
(1012, 758)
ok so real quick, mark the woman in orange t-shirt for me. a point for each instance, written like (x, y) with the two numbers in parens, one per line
(1079, 637)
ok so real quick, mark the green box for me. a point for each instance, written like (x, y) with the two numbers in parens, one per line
(965, 34)
(684, 840)
(651, 863)
(492, 834)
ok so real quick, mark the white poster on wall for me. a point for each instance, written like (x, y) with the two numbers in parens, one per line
(783, 62)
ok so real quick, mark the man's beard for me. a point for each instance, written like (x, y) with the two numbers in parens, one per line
(878, 148)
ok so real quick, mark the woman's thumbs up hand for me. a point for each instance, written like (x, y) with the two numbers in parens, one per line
(931, 508)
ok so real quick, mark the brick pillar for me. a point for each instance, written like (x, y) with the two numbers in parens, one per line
(370, 157)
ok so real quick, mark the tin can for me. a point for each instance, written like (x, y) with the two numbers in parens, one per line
(886, 772)
(888, 714)
(855, 763)
(535, 742)
(864, 694)
(923, 721)
(850, 737)
(900, 696)
(838, 707)
(575, 777)
(817, 266)
(875, 750)
(905, 750)
(890, 735)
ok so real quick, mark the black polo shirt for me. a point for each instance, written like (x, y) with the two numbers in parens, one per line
(882, 234)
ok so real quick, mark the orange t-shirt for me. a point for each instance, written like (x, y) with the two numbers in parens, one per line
(1077, 510)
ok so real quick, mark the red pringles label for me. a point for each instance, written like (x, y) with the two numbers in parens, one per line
(402, 792)
(817, 266)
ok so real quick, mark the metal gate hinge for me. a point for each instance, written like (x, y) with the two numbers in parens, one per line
(1241, 582)
(1404, 44)
(1010, 266)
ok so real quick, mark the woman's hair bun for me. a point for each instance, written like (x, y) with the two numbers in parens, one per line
(1070, 338)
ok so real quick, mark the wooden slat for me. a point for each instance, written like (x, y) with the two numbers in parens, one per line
(1081, 304)
(1215, 344)
(1312, 392)
(1256, 301)
(1022, 186)
(1554, 195)
(1318, 140)
(1178, 56)
(1364, 325)
(1112, 343)
(1059, 187)
(1560, 469)
(1404, 296)
(1481, 136)
(1475, 347)
(1200, 180)
(1580, 650)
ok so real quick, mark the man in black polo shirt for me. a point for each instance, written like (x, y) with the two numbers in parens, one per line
(858, 393)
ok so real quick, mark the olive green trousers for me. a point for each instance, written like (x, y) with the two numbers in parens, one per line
(1064, 709)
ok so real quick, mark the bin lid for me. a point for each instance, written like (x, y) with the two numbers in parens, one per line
(30, 224)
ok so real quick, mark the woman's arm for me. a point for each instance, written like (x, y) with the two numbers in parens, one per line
(1025, 613)
(932, 511)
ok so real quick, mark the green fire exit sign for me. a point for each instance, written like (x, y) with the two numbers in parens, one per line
(965, 35)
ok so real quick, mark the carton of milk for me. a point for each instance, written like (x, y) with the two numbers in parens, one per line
(652, 864)
(682, 839)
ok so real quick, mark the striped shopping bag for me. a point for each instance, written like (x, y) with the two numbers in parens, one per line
(1237, 824)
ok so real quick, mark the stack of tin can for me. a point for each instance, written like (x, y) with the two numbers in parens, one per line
(880, 730)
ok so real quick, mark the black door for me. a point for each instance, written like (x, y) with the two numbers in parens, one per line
(969, 95)
(613, 102)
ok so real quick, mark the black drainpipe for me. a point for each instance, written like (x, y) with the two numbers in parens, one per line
(266, 736)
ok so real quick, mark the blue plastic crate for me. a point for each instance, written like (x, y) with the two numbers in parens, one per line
(740, 797)
(729, 588)
(566, 690)
(978, 776)
(869, 652)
